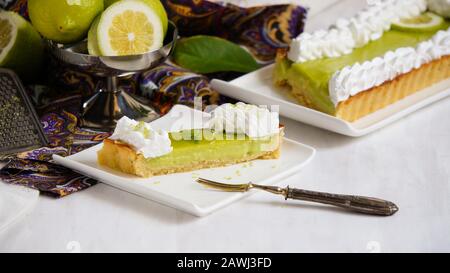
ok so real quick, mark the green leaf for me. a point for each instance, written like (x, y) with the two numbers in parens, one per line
(207, 54)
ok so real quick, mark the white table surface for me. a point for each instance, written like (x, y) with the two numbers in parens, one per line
(407, 162)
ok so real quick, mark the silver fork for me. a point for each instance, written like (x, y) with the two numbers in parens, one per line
(361, 204)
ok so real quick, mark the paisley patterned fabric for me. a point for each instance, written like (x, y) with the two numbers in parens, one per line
(19, 6)
(34, 168)
(165, 86)
(168, 85)
(261, 30)
(46, 177)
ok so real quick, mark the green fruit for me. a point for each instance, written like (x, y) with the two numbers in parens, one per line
(424, 23)
(155, 5)
(64, 21)
(21, 47)
(93, 48)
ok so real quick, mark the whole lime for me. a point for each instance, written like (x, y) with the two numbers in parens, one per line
(64, 21)
(21, 47)
(155, 5)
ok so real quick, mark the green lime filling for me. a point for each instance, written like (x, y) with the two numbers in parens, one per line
(313, 77)
(212, 147)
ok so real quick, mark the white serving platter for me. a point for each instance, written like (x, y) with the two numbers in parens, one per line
(181, 192)
(257, 88)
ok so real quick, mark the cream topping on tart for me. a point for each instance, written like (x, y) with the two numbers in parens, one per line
(142, 138)
(441, 7)
(182, 118)
(152, 139)
(241, 118)
(348, 34)
(361, 77)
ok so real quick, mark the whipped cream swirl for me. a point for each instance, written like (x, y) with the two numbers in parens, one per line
(361, 77)
(441, 7)
(348, 34)
(143, 138)
(241, 118)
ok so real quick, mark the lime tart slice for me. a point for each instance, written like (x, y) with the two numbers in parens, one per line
(231, 134)
(362, 64)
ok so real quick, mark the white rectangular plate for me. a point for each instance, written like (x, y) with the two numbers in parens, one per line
(180, 191)
(257, 88)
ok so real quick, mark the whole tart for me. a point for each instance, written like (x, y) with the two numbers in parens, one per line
(190, 149)
(365, 63)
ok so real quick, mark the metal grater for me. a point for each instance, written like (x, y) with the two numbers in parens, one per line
(20, 129)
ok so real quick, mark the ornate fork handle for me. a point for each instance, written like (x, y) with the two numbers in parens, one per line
(360, 204)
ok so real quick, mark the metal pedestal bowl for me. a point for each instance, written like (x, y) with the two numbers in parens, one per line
(109, 102)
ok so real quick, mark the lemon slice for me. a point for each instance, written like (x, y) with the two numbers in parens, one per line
(156, 5)
(427, 21)
(129, 28)
(21, 47)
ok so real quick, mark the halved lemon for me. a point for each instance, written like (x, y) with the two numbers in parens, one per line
(21, 47)
(129, 28)
(156, 5)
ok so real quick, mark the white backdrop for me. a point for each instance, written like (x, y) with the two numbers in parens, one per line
(407, 162)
